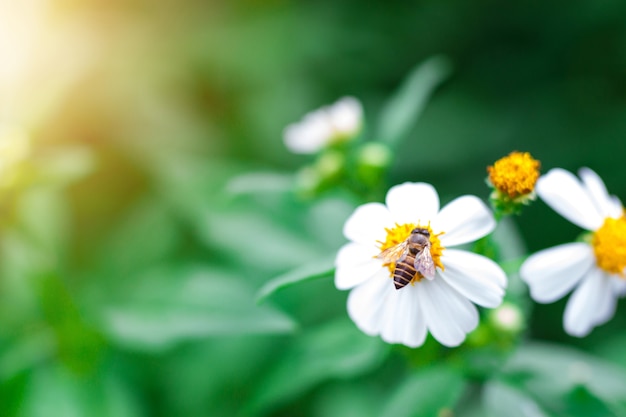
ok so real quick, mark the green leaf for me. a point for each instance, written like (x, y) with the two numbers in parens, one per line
(319, 269)
(54, 390)
(325, 218)
(513, 266)
(335, 350)
(355, 398)
(209, 375)
(509, 240)
(25, 352)
(512, 252)
(274, 245)
(22, 260)
(405, 107)
(503, 400)
(429, 392)
(550, 373)
(145, 236)
(582, 403)
(260, 182)
(195, 184)
(43, 216)
(612, 349)
(175, 304)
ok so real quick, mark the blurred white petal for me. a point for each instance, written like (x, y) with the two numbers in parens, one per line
(319, 128)
(346, 116)
(562, 191)
(597, 191)
(581, 312)
(617, 208)
(608, 305)
(552, 273)
(619, 286)
(305, 137)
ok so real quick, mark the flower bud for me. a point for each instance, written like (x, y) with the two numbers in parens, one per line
(513, 180)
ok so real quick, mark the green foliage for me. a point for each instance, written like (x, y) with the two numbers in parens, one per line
(161, 310)
(162, 253)
(54, 389)
(403, 110)
(552, 380)
(319, 269)
(416, 397)
(335, 350)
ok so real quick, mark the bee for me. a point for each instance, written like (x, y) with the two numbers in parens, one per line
(410, 258)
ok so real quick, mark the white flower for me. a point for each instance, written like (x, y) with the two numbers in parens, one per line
(339, 121)
(595, 267)
(442, 305)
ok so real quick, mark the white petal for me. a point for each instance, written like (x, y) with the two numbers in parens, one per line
(367, 224)
(449, 316)
(552, 273)
(400, 319)
(619, 286)
(617, 208)
(346, 115)
(414, 333)
(377, 307)
(391, 324)
(597, 191)
(299, 140)
(582, 308)
(463, 220)
(562, 191)
(413, 202)
(608, 305)
(475, 277)
(367, 301)
(309, 135)
(354, 264)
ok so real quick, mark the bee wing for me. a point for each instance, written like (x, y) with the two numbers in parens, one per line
(424, 264)
(394, 253)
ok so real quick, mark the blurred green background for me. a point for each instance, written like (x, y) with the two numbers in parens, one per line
(129, 268)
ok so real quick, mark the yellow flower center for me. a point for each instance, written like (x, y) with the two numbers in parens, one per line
(400, 233)
(515, 175)
(609, 245)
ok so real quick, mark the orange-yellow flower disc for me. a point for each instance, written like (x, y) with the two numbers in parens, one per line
(609, 245)
(515, 175)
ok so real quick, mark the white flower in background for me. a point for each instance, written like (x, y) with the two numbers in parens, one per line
(442, 303)
(335, 123)
(596, 267)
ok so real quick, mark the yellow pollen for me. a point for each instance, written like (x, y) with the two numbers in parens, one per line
(515, 175)
(609, 246)
(400, 233)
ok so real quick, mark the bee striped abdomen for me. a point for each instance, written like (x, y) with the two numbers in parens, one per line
(404, 271)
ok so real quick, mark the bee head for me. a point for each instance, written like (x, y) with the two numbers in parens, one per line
(421, 231)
